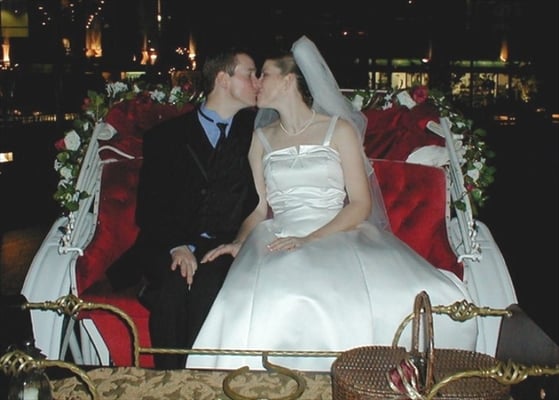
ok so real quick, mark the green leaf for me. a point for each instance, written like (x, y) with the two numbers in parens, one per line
(460, 205)
(72, 206)
(63, 156)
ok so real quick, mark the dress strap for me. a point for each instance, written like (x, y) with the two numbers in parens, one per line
(330, 131)
(264, 141)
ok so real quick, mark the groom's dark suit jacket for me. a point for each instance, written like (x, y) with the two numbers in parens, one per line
(185, 190)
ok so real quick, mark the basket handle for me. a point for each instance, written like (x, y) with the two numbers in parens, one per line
(423, 360)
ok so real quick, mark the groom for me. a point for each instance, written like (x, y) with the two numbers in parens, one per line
(195, 189)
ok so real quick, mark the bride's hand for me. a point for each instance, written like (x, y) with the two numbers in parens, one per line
(286, 243)
(229, 248)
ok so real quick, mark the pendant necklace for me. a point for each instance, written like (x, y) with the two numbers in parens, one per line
(305, 126)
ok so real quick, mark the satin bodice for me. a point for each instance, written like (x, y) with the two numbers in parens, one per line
(304, 187)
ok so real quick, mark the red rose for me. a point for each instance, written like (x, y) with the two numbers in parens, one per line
(60, 145)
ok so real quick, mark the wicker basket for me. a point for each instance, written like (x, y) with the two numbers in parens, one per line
(365, 373)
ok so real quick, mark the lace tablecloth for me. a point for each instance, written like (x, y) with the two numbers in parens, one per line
(125, 383)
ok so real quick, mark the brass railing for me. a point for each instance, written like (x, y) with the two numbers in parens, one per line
(506, 373)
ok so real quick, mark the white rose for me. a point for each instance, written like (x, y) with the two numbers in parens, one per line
(478, 165)
(474, 174)
(157, 95)
(66, 172)
(115, 88)
(72, 140)
(175, 94)
(120, 87)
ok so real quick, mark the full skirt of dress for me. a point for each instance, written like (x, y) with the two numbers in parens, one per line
(346, 290)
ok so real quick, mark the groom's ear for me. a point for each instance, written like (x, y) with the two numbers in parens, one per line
(222, 79)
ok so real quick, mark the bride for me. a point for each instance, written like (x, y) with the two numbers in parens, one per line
(324, 273)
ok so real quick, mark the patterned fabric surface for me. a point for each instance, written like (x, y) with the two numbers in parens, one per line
(129, 383)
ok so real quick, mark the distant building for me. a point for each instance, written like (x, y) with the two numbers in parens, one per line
(481, 51)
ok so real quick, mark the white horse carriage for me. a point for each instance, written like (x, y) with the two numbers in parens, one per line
(422, 145)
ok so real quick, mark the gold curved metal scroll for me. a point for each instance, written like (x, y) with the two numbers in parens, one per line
(301, 383)
(17, 361)
(72, 305)
(458, 311)
(506, 373)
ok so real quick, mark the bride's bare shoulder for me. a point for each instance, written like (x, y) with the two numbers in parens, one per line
(270, 130)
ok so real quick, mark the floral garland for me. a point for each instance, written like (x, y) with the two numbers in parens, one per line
(471, 148)
(73, 146)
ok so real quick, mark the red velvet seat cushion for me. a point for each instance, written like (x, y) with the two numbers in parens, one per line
(114, 331)
(133, 117)
(416, 199)
(393, 134)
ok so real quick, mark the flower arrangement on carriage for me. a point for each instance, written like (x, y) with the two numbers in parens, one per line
(473, 152)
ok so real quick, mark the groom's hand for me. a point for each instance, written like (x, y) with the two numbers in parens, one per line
(183, 258)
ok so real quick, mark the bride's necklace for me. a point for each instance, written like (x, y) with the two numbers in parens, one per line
(305, 126)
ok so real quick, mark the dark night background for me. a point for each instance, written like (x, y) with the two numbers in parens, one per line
(522, 211)
(467, 29)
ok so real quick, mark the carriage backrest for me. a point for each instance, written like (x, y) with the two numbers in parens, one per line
(416, 196)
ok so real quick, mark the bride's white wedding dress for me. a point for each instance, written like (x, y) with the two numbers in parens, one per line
(345, 290)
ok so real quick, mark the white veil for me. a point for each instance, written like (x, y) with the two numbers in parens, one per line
(329, 100)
